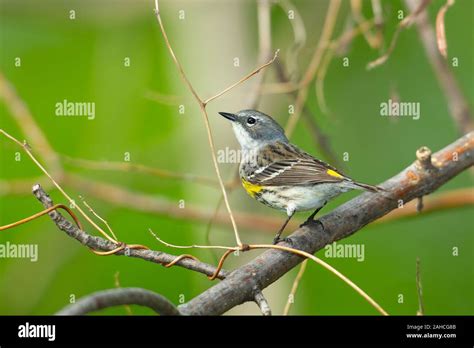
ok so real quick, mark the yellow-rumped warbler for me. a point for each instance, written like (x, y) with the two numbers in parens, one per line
(279, 174)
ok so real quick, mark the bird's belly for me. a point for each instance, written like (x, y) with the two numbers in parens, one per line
(299, 198)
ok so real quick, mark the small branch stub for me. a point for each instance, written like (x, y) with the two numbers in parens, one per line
(423, 155)
(262, 303)
(419, 204)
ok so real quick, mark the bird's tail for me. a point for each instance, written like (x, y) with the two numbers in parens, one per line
(368, 187)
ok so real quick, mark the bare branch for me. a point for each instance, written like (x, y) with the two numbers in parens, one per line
(118, 297)
(97, 243)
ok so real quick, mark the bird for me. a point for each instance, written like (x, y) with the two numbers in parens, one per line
(279, 174)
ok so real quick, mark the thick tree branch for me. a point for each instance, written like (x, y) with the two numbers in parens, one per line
(414, 181)
(97, 243)
(118, 297)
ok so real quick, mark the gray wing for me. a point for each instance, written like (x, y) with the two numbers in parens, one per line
(291, 166)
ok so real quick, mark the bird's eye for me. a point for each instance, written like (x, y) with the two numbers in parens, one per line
(251, 120)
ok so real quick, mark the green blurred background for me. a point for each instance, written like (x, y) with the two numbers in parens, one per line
(83, 60)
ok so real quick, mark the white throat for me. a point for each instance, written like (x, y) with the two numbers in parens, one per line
(247, 143)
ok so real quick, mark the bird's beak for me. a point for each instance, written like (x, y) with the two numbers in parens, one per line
(229, 116)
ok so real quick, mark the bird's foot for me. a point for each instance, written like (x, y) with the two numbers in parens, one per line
(277, 240)
(288, 240)
(311, 221)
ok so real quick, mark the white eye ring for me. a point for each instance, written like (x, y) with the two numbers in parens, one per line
(251, 121)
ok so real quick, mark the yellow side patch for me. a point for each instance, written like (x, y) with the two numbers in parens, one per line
(252, 189)
(334, 173)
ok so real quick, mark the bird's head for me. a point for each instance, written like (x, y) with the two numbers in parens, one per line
(254, 129)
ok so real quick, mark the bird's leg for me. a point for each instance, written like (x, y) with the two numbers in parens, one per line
(309, 220)
(277, 239)
(311, 217)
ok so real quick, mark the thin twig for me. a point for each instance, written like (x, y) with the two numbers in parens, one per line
(294, 287)
(374, 40)
(118, 286)
(22, 115)
(191, 246)
(457, 103)
(287, 86)
(440, 29)
(41, 213)
(243, 79)
(335, 45)
(320, 139)
(26, 148)
(220, 264)
(326, 34)
(264, 52)
(181, 257)
(207, 233)
(405, 23)
(419, 289)
(99, 217)
(163, 98)
(299, 34)
(173, 55)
